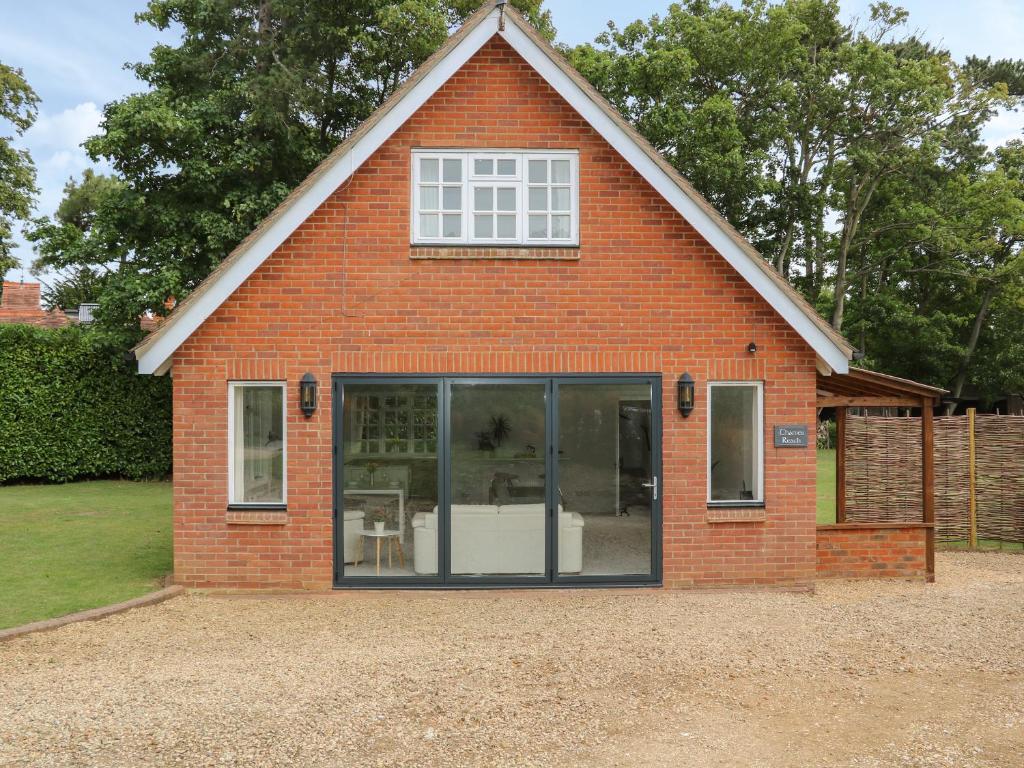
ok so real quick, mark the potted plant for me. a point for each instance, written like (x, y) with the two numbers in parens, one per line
(378, 518)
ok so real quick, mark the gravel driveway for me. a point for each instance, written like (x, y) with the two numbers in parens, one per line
(859, 674)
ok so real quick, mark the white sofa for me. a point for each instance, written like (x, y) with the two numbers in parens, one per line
(352, 523)
(498, 539)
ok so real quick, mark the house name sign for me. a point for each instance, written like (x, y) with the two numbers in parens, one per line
(791, 436)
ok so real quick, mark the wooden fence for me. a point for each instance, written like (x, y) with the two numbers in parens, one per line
(883, 474)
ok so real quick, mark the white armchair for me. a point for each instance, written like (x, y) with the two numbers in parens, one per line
(352, 539)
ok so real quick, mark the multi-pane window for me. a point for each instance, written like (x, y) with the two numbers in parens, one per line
(257, 440)
(735, 442)
(550, 198)
(526, 198)
(400, 423)
(440, 197)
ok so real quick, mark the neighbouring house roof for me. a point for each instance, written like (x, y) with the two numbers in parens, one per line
(21, 303)
(154, 353)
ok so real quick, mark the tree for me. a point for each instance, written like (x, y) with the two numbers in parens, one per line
(17, 173)
(235, 116)
(791, 121)
(78, 243)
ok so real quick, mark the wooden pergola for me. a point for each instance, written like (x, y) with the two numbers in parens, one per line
(869, 389)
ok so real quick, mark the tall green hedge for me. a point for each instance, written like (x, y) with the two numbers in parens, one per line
(71, 406)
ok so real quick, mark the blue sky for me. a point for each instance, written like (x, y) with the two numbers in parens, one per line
(73, 54)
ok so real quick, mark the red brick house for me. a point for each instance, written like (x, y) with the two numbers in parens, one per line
(533, 354)
(22, 303)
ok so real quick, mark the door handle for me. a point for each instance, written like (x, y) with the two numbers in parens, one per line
(654, 485)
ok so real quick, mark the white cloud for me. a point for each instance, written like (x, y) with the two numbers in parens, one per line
(64, 130)
(1003, 127)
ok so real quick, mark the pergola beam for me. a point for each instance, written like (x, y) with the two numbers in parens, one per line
(864, 401)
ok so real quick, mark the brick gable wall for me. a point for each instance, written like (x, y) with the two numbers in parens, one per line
(347, 293)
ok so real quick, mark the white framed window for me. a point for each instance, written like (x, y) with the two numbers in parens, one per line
(257, 443)
(735, 442)
(495, 198)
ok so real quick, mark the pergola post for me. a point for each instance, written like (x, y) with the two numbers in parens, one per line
(928, 482)
(841, 464)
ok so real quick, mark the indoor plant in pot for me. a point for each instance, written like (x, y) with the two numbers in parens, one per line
(378, 518)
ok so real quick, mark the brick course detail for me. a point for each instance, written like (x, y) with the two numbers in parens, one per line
(872, 550)
(644, 293)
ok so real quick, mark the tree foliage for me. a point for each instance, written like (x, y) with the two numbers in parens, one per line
(17, 173)
(78, 247)
(850, 154)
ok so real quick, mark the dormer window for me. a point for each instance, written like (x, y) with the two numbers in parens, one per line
(495, 198)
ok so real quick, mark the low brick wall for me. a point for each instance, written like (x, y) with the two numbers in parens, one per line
(872, 550)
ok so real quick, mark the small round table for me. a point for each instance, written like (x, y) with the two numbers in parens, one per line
(391, 536)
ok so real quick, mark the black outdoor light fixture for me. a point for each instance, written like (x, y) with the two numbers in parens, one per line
(307, 394)
(752, 347)
(685, 389)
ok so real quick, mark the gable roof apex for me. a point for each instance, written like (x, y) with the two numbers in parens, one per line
(154, 353)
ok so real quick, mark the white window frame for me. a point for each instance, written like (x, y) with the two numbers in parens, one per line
(758, 386)
(520, 181)
(233, 387)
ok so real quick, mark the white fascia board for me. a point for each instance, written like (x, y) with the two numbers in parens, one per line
(709, 229)
(154, 359)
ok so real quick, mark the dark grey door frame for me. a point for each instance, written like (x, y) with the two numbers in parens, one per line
(551, 577)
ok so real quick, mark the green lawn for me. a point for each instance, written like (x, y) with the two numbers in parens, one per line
(826, 486)
(65, 548)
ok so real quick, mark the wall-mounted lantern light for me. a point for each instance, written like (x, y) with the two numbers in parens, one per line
(307, 394)
(686, 390)
(752, 347)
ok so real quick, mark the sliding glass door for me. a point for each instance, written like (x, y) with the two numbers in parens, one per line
(607, 477)
(497, 489)
(497, 480)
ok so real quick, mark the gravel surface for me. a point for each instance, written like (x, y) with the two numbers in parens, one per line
(859, 674)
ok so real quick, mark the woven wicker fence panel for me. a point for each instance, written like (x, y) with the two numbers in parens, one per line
(883, 474)
(999, 458)
(952, 477)
(883, 458)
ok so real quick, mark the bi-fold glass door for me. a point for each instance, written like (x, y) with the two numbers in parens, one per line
(497, 480)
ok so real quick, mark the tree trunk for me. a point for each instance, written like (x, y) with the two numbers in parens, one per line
(972, 344)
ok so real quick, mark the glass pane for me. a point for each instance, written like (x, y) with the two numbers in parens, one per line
(538, 171)
(483, 199)
(428, 170)
(452, 225)
(498, 519)
(483, 167)
(734, 443)
(452, 169)
(452, 197)
(506, 167)
(538, 226)
(259, 444)
(560, 226)
(483, 226)
(506, 226)
(559, 171)
(560, 199)
(538, 198)
(428, 198)
(506, 199)
(428, 225)
(395, 486)
(605, 474)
